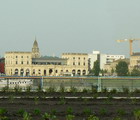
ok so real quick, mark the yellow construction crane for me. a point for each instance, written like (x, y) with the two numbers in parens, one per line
(130, 44)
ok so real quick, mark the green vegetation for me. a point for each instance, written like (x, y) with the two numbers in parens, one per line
(36, 112)
(87, 111)
(96, 68)
(137, 114)
(17, 89)
(122, 68)
(3, 111)
(135, 72)
(70, 117)
(69, 111)
(20, 112)
(93, 117)
(27, 116)
(62, 88)
(48, 116)
(51, 89)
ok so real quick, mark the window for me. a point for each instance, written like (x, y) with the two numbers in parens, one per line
(16, 56)
(39, 71)
(27, 62)
(21, 56)
(33, 71)
(84, 63)
(56, 71)
(73, 63)
(78, 63)
(74, 58)
(21, 62)
(79, 58)
(16, 62)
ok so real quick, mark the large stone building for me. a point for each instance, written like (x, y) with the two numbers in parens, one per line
(33, 64)
(134, 61)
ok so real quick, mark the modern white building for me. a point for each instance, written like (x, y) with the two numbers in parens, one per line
(92, 57)
(103, 58)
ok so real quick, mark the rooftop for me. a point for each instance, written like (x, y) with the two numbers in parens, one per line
(136, 54)
(49, 58)
(18, 52)
(74, 54)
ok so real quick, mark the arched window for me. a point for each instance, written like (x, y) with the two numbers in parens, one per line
(16, 71)
(78, 72)
(73, 72)
(27, 72)
(21, 72)
(50, 71)
(45, 72)
(39, 71)
(33, 71)
(84, 72)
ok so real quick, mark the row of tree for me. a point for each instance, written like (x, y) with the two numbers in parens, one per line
(121, 70)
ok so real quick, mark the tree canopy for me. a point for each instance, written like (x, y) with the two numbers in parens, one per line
(96, 68)
(122, 68)
(135, 72)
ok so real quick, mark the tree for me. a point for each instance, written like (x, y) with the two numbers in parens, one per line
(122, 68)
(135, 72)
(96, 68)
(112, 71)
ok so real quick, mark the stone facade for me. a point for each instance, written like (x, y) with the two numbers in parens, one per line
(112, 66)
(32, 64)
(134, 61)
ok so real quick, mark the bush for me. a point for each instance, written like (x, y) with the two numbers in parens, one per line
(73, 89)
(113, 91)
(3, 111)
(27, 116)
(51, 89)
(62, 101)
(137, 114)
(47, 116)
(93, 117)
(5, 89)
(4, 118)
(103, 111)
(137, 90)
(17, 89)
(117, 118)
(94, 89)
(20, 112)
(87, 111)
(85, 90)
(125, 90)
(104, 90)
(121, 112)
(36, 112)
(70, 117)
(69, 111)
(62, 88)
(28, 89)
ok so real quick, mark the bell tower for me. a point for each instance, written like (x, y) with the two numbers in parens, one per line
(35, 50)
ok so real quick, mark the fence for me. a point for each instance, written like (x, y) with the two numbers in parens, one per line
(118, 83)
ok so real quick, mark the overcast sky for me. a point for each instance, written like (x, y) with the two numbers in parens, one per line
(69, 25)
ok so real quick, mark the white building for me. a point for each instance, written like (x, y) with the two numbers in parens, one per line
(92, 57)
(103, 58)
